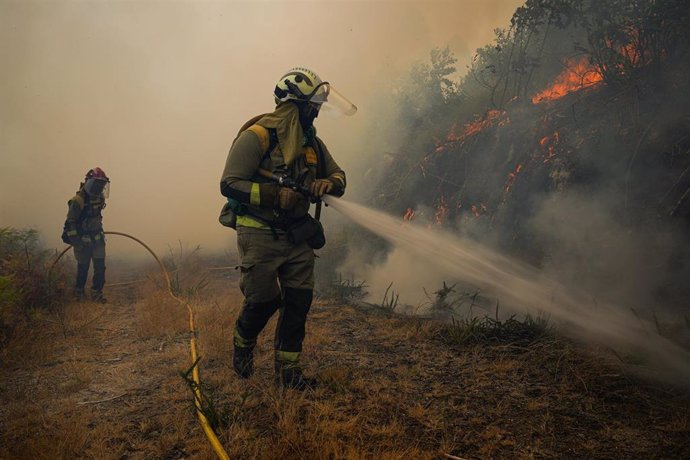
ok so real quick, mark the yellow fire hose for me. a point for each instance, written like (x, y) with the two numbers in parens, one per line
(213, 439)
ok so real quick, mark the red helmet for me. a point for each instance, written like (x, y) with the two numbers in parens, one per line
(96, 182)
(97, 173)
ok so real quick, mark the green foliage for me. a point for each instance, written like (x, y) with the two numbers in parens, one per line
(431, 157)
(432, 79)
(204, 400)
(621, 36)
(28, 282)
(427, 96)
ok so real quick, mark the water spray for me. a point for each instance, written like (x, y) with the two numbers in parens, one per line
(525, 288)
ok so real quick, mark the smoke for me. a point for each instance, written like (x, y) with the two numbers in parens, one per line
(423, 255)
(154, 92)
(588, 247)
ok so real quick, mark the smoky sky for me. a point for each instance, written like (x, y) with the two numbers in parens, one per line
(154, 93)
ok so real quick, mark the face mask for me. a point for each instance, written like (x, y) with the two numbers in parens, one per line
(307, 113)
(96, 187)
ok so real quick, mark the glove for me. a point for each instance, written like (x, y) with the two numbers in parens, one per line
(287, 198)
(86, 240)
(320, 187)
(75, 240)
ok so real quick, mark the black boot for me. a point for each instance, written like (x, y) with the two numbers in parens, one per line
(290, 375)
(97, 296)
(79, 294)
(243, 361)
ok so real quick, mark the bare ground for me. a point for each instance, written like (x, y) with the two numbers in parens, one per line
(105, 383)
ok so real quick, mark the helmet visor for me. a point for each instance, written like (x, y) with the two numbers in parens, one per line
(332, 101)
(95, 187)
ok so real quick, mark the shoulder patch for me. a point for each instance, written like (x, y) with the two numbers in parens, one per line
(263, 135)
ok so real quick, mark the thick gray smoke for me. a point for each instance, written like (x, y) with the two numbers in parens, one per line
(154, 93)
(589, 247)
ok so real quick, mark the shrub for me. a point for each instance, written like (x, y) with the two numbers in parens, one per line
(28, 281)
(489, 330)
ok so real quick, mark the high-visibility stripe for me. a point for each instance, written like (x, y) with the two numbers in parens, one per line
(242, 342)
(72, 233)
(255, 195)
(246, 221)
(339, 177)
(287, 356)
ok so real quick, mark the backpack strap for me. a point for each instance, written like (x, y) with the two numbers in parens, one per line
(268, 138)
(250, 123)
(263, 135)
(320, 173)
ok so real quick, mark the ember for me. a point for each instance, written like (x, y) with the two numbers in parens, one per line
(549, 144)
(511, 179)
(578, 74)
(478, 209)
(408, 216)
(441, 213)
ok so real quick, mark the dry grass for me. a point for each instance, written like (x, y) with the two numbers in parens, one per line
(391, 387)
(105, 384)
(159, 315)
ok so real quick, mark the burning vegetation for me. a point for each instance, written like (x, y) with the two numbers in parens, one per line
(577, 75)
(574, 98)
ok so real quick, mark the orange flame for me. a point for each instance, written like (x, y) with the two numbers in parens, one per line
(578, 74)
(470, 129)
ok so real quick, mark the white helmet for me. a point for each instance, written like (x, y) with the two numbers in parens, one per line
(301, 84)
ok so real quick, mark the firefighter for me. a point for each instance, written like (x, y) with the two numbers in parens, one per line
(84, 231)
(276, 236)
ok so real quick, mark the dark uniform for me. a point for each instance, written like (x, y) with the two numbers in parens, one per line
(276, 274)
(84, 228)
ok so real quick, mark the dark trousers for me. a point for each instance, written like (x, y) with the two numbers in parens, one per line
(84, 255)
(293, 309)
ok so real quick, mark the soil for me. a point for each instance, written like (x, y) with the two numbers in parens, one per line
(104, 381)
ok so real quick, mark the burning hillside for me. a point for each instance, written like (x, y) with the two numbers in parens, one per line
(577, 75)
(574, 161)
